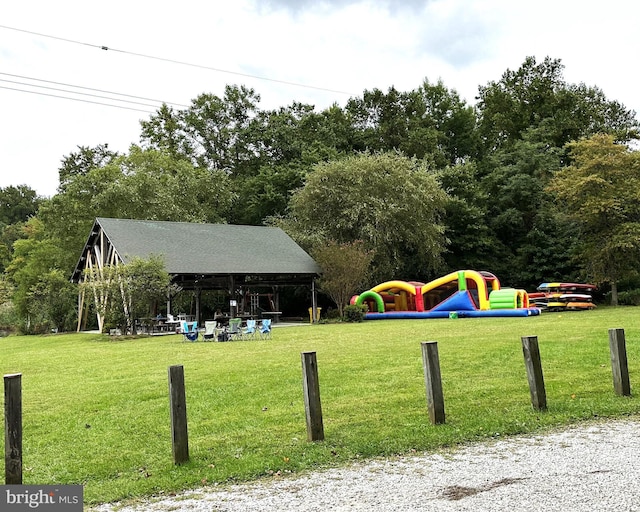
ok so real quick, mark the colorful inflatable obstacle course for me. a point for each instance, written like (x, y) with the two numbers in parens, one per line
(465, 293)
(563, 296)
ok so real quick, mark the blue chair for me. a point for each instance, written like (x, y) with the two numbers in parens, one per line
(265, 328)
(249, 332)
(189, 331)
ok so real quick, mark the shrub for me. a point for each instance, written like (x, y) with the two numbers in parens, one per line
(333, 314)
(629, 298)
(353, 313)
(8, 317)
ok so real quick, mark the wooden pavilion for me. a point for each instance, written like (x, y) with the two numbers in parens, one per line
(198, 257)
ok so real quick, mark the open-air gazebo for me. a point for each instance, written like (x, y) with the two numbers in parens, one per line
(198, 257)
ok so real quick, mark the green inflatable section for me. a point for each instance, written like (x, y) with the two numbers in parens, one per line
(505, 298)
(371, 295)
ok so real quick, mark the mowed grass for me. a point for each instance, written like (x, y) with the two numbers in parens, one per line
(96, 409)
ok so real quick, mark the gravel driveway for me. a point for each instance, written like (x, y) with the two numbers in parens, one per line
(592, 467)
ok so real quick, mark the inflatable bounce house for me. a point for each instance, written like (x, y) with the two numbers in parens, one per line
(465, 293)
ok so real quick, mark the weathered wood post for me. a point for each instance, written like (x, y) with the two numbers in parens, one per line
(534, 372)
(433, 381)
(618, 349)
(311, 389)
(13, 429)
(178, 406)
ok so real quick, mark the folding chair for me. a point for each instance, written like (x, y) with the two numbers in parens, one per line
(249, 332)
(235, 330)
(265, 328)
(189, 331)
(210, 330)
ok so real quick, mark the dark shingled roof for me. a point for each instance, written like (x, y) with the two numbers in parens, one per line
(208, 249)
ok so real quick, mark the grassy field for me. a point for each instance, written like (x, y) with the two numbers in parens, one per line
(96, 410)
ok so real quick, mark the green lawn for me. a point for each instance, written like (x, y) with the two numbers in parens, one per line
(96, 411)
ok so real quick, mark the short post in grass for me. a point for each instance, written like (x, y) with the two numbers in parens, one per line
(618, 349)
(534, 372)
(13, 429)
(178, 406)
(433, 382)
(312, 405)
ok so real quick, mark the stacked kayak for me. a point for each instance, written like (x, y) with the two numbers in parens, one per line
(563, 296)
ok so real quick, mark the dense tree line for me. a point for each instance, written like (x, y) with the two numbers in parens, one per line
(422, 181)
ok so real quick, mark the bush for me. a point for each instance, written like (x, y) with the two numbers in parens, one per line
(353, 313)
(8, 317)
(333, 314)
(628, 298)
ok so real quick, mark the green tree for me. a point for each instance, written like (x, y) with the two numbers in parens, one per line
(18, 204)
(122, 293)
(211, 133)
(79, 163)
(520, 212)
(43, 295)
(392, 203)
(288, 141)
(345, 269)
(429, 122)
(472, 243)
(537, 95)
(600, 192)
(8, 315)
(525, 120)
(143, 184)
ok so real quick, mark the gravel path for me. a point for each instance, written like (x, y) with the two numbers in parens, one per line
(593, 467)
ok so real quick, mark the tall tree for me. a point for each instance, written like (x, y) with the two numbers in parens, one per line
(43, 296)
(430, 122)
(537, 95)
(392, 203)
(79, 163)
(211, 133)
(18, 204)
(143, 184)
(600, 191)
(290, 140)
(525, 120)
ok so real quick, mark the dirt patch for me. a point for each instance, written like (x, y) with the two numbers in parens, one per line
(457, 492)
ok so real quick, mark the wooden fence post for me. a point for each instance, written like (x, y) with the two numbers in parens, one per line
(618, 349)
(178, 406)
(312, 405)
(433, 381)
(534, 372)
(13, 429)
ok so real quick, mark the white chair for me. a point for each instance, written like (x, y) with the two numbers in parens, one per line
(210, 330)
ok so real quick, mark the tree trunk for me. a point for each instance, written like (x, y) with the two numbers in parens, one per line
(614, 293)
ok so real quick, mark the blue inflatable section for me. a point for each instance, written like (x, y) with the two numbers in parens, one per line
(459, 301)
(445, 314)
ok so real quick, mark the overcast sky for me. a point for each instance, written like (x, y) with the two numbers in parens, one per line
(312, 51)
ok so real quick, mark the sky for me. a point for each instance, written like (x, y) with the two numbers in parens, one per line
(318, 52)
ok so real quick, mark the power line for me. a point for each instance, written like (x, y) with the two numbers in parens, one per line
(182, 63)
(77, 99)
(74, 92)
(92, 89)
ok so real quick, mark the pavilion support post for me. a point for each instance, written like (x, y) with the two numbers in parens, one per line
(314, 302)
(198, 296)
(232, 296)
